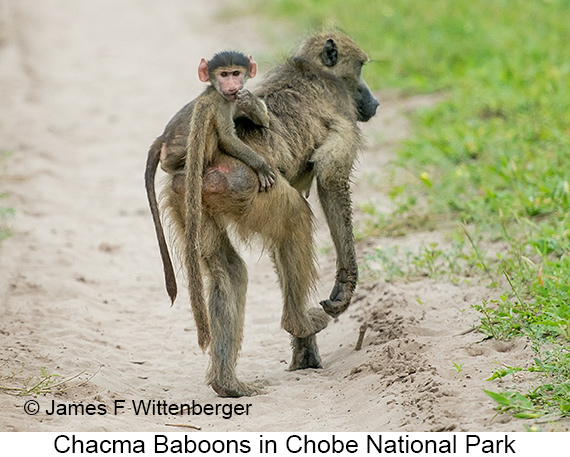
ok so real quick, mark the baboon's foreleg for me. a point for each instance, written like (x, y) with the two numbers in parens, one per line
(336, 204)
(333, 166)
(227, 290)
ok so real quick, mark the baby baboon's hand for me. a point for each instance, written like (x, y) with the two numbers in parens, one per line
(266, 178)
(244, 100)
(252, 107)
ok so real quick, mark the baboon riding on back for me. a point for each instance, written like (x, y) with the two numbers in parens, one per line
(314, 101)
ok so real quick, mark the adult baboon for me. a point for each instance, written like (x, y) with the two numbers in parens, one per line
(314, 101)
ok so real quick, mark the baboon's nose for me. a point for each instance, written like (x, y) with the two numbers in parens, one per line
(374, 104)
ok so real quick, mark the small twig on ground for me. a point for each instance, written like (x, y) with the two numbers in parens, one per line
(361, 333)
(196, 427)
(469, 330)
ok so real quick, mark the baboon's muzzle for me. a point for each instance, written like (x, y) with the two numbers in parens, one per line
(366, 104)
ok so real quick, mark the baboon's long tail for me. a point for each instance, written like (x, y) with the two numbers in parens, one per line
(150, 172)
(195, 153)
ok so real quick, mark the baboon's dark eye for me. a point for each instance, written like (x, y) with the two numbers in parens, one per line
(237, 73)
(224, 74)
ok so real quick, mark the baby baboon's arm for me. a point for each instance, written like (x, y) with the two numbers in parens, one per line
(175, 136)
(234, 146)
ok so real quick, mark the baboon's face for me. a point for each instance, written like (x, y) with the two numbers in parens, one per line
(229, 81)
(227, 71)
(341, 56)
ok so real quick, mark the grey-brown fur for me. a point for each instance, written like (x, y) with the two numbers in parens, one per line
(211, 128)
(199, 134)
(314, 101)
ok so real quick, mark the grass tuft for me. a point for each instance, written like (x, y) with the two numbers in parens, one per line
(21, 385)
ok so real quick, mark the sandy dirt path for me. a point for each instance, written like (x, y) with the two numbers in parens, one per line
(86, 87)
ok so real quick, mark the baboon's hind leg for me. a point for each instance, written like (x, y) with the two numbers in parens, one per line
(294, 259)
(295, 265)
(227, 292)
(285, 221)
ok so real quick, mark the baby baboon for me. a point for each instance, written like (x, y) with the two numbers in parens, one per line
(212, 129)
(209, 125)
(212, 123)
(314, 101)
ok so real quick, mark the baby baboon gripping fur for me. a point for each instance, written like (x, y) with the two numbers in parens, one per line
(198, 133)
(211, 129)
(314, 101)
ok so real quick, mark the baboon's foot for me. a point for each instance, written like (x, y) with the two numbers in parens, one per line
(316, 320)
(179, 183)
(235, 389)
(173, 154)
(305, 353)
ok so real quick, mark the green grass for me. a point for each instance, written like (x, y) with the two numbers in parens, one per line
(494, 157)
(455, 262)
(16, 383)
(20, 383)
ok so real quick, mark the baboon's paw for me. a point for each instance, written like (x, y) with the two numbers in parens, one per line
(236, 389)
(341, 294)
(334, 308)
(305, 354)
(305, 363)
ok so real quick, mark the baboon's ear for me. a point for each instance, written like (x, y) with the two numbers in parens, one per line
(252, 67)
(329, 54)
(203, 74)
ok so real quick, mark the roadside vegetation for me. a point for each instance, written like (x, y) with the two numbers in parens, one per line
(19, 383)
(491, 163)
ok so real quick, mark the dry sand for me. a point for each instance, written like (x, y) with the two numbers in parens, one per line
(86, 87)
